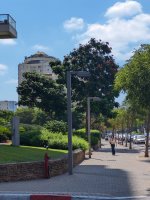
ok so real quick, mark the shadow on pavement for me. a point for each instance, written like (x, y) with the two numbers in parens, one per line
(95, 180)
(101, 159)
(103, 180)
(118, 150)
(147, 161)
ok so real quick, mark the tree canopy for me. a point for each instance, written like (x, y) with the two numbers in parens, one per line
(6, 114)
(42, 92)
(32, 115)
(134, 79)
(96, 58)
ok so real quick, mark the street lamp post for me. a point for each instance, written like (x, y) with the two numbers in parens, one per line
(69, 114)
(89, 120)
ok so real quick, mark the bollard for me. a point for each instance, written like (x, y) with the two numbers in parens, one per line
(46, 167)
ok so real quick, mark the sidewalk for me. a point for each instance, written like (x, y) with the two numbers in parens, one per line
(104, 175)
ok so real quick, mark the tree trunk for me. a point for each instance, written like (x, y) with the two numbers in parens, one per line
(100, 141)
(147, 136)
(87, 123)
(113, 132)
(126, 140)
(122, 137)
(130, 144)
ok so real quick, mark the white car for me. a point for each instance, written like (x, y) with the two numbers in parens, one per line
(139, 139)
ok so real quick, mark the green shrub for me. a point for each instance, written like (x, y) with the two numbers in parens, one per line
(56, 126)
(3, 137)
(5, 132)
(79, 143)
(81, 133)
(6, 115)
(30, 135)
(94, 140)
(95, 135)
(21, 129)
(28, 127)
(42, 137)
(60, 141)
(31, 138)
(3, 122)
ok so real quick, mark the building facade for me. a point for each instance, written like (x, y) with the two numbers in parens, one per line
(39, 63)
(8, 105)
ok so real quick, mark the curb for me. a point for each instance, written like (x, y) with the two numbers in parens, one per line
(49, 197)
(65, 197)
(14, 196)
(34, 197)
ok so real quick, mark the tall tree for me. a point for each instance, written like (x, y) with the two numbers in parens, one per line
(134, 79)
(6, 114)
(39, 91)
(96, 58)
(32, 116)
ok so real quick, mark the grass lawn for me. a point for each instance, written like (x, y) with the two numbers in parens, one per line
(10, 154)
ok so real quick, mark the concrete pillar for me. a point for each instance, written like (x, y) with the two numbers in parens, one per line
(15, 131)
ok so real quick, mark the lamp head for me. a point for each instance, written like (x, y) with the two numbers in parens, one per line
(94, 98)
(81, 73)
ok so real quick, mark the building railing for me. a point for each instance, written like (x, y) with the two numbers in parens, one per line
(7, 19)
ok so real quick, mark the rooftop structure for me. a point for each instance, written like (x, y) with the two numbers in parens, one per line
(39, 63)
(7, 27)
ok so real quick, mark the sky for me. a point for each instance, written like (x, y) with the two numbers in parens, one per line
(56, 27)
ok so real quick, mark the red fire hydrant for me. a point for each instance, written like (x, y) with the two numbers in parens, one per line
(46, 167)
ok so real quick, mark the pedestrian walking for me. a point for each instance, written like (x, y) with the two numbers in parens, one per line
(112, 142)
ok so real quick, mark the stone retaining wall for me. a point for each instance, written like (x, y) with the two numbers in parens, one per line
(35, 170)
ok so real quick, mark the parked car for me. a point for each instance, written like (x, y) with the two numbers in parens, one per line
(139, 139)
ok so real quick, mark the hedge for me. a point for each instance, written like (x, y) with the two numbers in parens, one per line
(95, 135)
(42, 137)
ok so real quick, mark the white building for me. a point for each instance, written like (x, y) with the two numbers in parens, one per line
(39, 63)
(8, 105)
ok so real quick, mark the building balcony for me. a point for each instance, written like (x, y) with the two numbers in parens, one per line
(7, 27)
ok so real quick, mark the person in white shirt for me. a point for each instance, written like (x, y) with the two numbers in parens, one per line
(112, 142)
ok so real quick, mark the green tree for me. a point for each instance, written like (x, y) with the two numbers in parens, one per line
(25, 115)
(5, 124)
(56, 126)
(6, 115)
(42, 92)
(32, 116)
(121, 122)
(95, 57)
(134, 79)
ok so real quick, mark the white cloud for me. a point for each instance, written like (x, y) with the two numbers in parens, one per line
(74, 24)
(39, 47)
(12, 81)
(8, 42)
(3, 69)
(123, 34)
(121, 9)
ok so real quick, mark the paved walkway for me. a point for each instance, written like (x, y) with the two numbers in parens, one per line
(125, 174)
